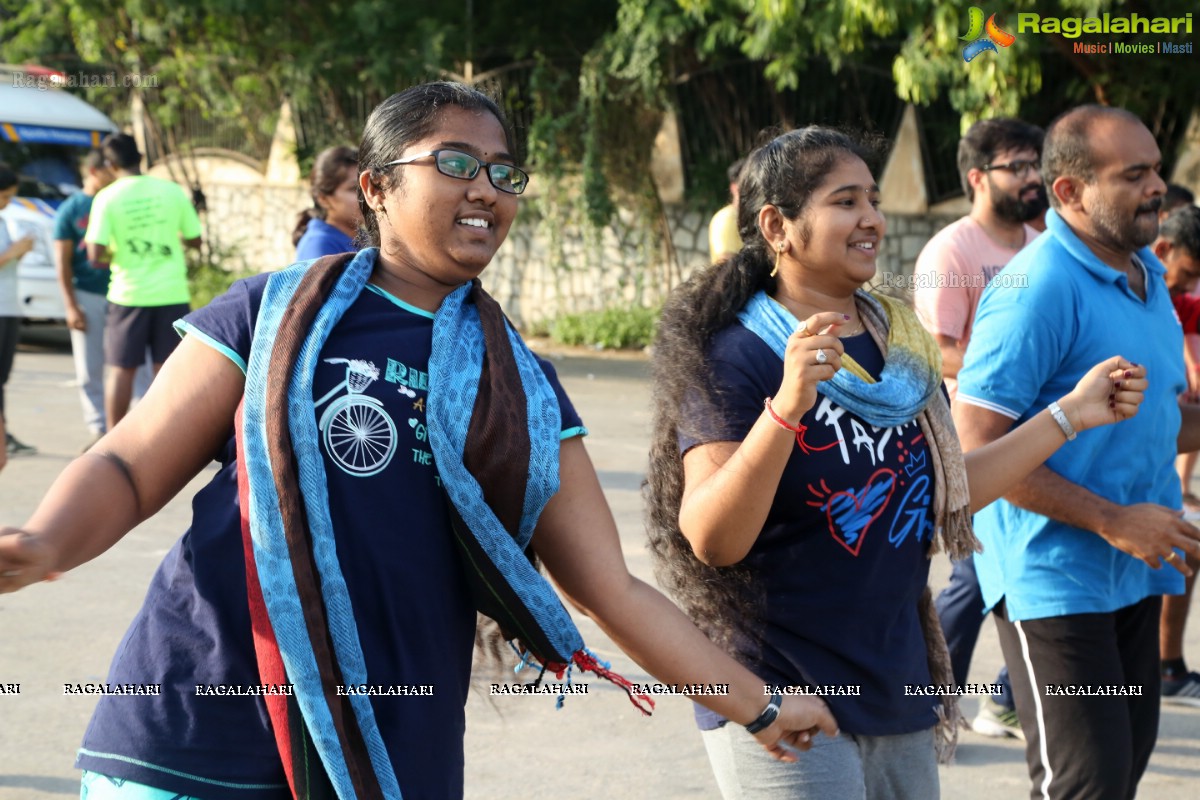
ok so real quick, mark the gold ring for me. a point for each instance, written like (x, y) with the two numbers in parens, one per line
(1170, 557)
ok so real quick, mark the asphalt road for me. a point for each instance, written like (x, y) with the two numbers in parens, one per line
(597, 745)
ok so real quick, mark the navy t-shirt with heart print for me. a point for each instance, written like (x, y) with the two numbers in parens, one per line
(840, 565)
(415, 620)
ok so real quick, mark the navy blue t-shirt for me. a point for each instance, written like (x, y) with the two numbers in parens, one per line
(408, 591)
(840, 565)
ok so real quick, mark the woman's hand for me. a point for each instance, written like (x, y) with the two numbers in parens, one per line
(801, 717)
(24, 559)
(1110, 392)
(814, 354)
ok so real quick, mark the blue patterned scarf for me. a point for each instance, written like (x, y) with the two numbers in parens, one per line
(912, 373)
(490, 409)
(908, 389)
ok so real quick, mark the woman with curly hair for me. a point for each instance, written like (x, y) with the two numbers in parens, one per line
(805, 467)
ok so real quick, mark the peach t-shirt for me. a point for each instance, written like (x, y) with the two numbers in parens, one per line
(951, 273)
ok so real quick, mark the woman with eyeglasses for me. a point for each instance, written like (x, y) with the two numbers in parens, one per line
(804, 468)
(392, 456)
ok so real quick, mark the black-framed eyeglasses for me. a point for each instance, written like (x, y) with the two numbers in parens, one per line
(1020, 167)
(464, 166)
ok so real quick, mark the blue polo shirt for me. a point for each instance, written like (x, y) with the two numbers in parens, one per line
(1055, 311)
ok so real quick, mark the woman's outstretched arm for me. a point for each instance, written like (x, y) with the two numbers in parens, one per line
(577, 540)
(168, 437)
(1109, 392)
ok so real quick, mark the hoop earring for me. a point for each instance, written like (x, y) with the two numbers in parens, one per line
(778, 253)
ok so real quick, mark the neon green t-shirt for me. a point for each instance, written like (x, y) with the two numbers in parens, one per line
(142, 221)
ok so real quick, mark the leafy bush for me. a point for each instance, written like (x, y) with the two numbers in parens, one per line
(207, 278)
(613, 328)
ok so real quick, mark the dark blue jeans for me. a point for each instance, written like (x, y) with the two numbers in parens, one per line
(960, 608)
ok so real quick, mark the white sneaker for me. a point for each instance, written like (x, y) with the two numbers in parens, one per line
(997, 721)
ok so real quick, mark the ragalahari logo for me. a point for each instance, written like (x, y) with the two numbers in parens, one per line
(976, 29)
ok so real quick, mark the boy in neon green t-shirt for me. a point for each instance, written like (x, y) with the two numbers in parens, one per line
(138, 228)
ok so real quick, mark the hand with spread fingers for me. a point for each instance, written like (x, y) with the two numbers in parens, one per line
(814, 354)
(1109, 392)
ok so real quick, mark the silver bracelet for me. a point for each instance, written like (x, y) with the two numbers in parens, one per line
(1061, 418)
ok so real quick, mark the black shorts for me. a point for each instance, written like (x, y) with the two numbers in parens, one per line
(131, 331)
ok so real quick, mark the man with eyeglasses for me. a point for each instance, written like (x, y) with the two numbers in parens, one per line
(998, 165)
(1077, 556)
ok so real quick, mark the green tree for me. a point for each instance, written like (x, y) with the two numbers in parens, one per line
(784, 34)
(235, 59)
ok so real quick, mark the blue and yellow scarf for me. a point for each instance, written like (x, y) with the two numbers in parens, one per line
(908, 389)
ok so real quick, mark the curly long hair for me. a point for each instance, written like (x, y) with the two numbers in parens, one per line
(783, 173)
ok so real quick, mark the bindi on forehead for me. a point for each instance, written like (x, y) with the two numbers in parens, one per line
(854, 188)
(468, 147)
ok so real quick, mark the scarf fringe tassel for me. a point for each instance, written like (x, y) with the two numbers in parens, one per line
(586, 661)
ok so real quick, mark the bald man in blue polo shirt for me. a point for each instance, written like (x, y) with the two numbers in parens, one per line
(1077, 557)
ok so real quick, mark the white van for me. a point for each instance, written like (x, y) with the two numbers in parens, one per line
(44, 133)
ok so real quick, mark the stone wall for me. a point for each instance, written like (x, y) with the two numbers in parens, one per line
(250, 227)
(538, 273)
(250, 218)
(534, 287)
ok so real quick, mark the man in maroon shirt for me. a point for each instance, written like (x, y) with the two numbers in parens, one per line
(1178, 247)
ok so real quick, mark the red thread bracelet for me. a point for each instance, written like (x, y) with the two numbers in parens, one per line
(780, 421)
(799, 430)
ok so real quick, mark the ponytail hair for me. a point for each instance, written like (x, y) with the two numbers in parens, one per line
(328, 172)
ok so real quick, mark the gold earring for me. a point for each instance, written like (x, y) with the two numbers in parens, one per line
(778, 253)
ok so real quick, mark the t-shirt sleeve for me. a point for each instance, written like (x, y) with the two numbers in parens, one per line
(316, 243)
(943, 305)
(189, 222)
(731, 402)
(63, 228)
(572, 425)
(99, 230)
(311, 245)
(723, 233)
(227, 323)
(1016, 347)
(1188, 309)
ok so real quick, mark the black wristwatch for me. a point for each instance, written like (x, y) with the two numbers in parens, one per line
(768, 714)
